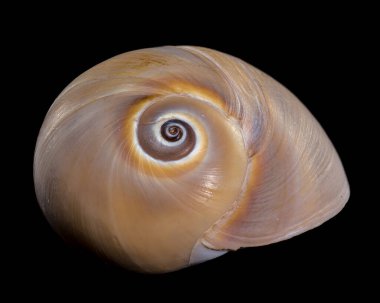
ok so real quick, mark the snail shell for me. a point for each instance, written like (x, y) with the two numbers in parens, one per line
(162, 158)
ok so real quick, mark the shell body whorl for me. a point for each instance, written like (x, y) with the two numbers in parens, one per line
(166, 157)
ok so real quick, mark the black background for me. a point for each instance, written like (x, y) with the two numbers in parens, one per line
(312, 55)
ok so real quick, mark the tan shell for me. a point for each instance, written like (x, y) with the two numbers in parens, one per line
(259, 168)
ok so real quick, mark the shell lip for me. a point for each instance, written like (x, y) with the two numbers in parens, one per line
(201, 253)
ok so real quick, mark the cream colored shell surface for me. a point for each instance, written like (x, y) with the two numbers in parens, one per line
(258, 168)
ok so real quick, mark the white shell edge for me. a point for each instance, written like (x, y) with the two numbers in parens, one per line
(201, 253)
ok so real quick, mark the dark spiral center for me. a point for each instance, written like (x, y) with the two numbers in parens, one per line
(167, 141)
(172, 130)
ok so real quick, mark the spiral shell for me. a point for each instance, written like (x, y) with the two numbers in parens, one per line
(166, 157)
